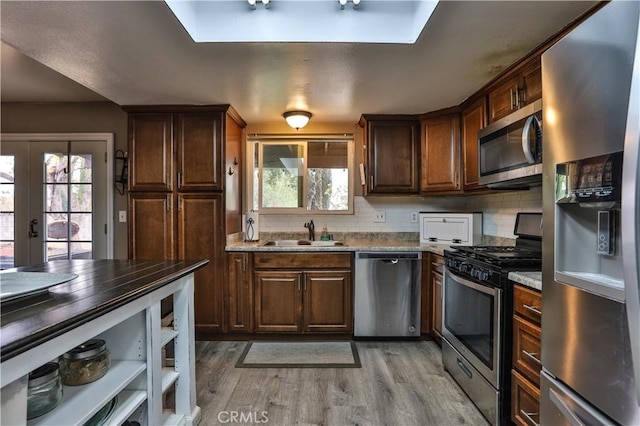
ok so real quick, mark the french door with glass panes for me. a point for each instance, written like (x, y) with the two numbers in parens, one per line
(54, 201)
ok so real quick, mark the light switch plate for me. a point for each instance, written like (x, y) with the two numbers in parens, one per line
(381, 216)
(122, 216)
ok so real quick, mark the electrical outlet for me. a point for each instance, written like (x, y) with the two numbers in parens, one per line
(414, 217)
(122, 216)
(381, 216)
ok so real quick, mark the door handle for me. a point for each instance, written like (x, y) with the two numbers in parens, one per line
(526, 143)
(32, 231)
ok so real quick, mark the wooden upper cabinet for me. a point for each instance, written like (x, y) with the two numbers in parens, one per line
(473, 119)
(441, 153)
(150, 152)
(392, 155)
(516, 90)
(532, 82)
(199, 144)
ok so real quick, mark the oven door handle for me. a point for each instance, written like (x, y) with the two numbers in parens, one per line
(467, 283)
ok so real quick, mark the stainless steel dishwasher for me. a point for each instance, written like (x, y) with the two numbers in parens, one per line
(387, 294)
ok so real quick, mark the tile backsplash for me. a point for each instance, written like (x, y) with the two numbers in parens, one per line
(499, 210)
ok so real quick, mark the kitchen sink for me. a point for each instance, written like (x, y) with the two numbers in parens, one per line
(285, 243)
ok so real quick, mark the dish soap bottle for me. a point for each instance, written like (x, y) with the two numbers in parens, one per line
(325, 234)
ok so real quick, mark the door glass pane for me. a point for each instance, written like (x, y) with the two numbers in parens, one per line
(7, 211)
(57, 198)
(57, 227)
(81, 168)
(56, 169)
(56, 251)
(81, 250)
(282, 181)
(82, 225)
(327, 176)
(81, 197)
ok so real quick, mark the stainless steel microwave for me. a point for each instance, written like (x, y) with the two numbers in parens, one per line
(510, 149)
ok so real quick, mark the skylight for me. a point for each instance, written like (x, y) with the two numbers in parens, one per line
(373, 21)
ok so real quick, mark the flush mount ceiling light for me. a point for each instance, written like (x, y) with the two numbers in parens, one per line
(297, 119)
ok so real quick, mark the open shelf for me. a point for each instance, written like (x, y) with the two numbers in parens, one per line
(128, 403)
(166, 335)
(79, 403)
(169, 377)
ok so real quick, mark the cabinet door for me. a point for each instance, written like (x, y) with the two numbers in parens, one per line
(503, 99)
(151, 226)
(327, 302)
(201, 236)
(441, 154)
(532, 83)
(393, 157)
(436, 283)
(240, 298)
(150, 152)
(199, 144)
(278, 301)
(525, 401)
(473, 119)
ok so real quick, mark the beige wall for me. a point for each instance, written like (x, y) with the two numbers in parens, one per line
(96, 117)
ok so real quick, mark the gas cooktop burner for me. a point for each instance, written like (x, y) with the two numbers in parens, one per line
(501, 252)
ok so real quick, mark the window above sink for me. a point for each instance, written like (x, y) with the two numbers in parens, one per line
(293, 175)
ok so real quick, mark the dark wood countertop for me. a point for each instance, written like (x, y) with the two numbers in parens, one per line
(101, 286)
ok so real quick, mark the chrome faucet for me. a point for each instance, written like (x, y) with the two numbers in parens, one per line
(312, 230)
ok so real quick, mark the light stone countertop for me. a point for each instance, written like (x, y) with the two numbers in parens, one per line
(532, 279)
(349, 246)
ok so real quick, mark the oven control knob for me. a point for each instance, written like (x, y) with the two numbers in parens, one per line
(485, 275)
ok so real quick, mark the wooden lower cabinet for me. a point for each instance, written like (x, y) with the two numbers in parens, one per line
(239, 294)
(525, 375)
(525, 401)
(437, 266)
(300, 293)
(278, 301)
(327, 302)
(201, 236)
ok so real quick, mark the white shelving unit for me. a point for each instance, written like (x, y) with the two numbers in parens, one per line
(135, 338)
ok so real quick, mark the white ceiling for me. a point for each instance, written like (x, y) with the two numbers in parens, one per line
(136, 52)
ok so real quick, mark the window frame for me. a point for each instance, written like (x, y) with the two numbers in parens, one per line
(255, 141)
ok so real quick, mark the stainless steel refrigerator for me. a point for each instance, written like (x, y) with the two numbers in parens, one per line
(590, 296)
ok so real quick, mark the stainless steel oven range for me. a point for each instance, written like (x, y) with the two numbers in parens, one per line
(477, 315)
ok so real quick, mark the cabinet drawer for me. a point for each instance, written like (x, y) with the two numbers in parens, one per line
(527, 303)
(525, 401)
(526, 349)
(437, 263)
(302, 260)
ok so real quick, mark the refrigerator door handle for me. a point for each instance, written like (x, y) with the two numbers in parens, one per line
(630, 219)
(564, 409)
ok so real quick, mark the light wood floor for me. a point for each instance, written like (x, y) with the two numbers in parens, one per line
(400, 383)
